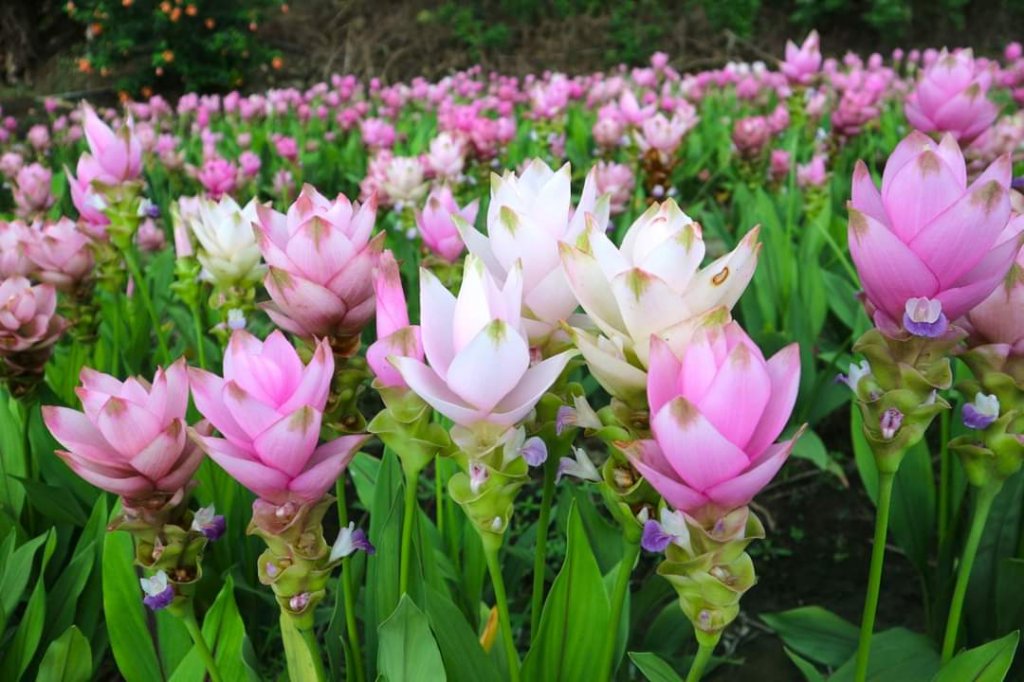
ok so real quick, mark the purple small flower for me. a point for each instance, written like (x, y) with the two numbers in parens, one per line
(158, 592)
(534, 451)
(299, 601)
(890, 423)
(350, 540)
(565, 418)
(361, 541)
(982, 412)
(655, 539)
(209, 523)
(924, 317)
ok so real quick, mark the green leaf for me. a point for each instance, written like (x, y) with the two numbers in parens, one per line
(654, 669)
(301, 664)
(122, 605)
(68, 658)
(408, 651)
(575, 619)
(224, 632)
(464, 658)
(987, 663)
(22, 648)
(805, 667)
(815, 633)
(15, 572)
(385, 533)
(896, 654)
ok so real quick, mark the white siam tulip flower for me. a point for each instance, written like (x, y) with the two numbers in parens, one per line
(228, 250)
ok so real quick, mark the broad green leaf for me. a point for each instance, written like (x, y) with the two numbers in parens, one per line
(15, 573)
(22, 648)
(224, 632)
(815, 633)
(464, 658)
(805, 667)
(408, 651)
(126, 620)
(987, 663)
(68, 658)
(896, 654)
(301, 664)
(576, 615)
(385, 533)
(654, 669)
(1009, 596)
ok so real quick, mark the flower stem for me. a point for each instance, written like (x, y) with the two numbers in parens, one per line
(438, 497)
(408, 518)
(491, 547)
(983, 504)
(347, 592)
(625, 570)
(189, 618)
(140, 281)
(867, 625)
(945, 474)
(700, 661)
(198, 322)
(302, 652)
(541, 548)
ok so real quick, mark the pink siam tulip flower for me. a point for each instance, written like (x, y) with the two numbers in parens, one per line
(268, 408)
(32, 190)
(929, 247)
(665, 134)
(447, 156)
(218, 177)
(150, 238)
(750, 135)
(118, 155)
(802, 63)
(250, 163)
(61, 254)
(998, 318)
(617, 181)
(653, 284)
(39, 137)
(715, 414)
(479, 373)
(403, 180)
(952, 97)
(436, 226)
(779, 164)
(529, 215)
(321, 260)
(395, 336)
(27, 316)
(812, 174)
(10, 164)
(131, 437)
(87, 200)
(15, 238)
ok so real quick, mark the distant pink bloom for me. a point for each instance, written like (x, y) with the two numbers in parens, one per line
(377, 133)
(802, 63)
(218, 177)
(437, 230)
(61, 253)
(149, 237)
(952, 97)
(929, 236)
(39, 137)
(131, 438)
(33, 190)
(447, 156)
(812, 174)
(15, 238)
(268, 408)
(780, 164)
(10, 164)
(118, 155)
(715, 414)
(750, 135)
(250, 163)
(617, 181)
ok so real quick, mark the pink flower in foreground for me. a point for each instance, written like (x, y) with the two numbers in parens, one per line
(929, 247)
(952, 97)
(480, 373)
(436, 226)
(395, 336)
(130, 439)
(715, 415)
(998, 318)
(321, 262)
(268, 407)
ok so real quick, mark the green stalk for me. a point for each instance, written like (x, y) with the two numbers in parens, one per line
(541, 548)
(438, 497)
(983, 505)
(700, 661)
(945, 474)
(491, 547)
(302, 652)
(197, 320)
(408, 518)
(867, 625)
(189, 618)
(147, 301)
(629, 555)
(347, 592)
